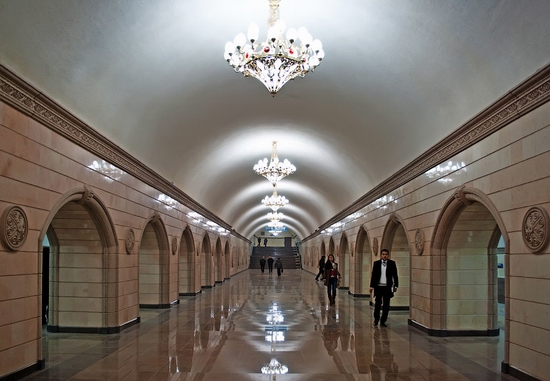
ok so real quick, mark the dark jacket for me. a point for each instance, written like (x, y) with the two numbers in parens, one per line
(391, 274)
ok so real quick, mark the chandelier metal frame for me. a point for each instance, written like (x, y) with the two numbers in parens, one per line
(279, 58)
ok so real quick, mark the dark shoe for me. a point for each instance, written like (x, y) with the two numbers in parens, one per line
(383, 325)
(375, 323)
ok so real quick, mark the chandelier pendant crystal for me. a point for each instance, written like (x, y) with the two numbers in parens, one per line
(279, 58)
(276, 170)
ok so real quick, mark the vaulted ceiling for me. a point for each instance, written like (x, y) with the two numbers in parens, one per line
(398, 76)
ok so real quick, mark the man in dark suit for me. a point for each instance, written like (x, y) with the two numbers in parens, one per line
(384, 282)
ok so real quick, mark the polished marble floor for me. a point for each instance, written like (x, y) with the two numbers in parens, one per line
(257, 323)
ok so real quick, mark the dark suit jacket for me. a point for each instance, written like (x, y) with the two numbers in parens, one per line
(391, 274)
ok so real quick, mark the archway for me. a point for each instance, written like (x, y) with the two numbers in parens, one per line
(82, 240)
(226, 262)
(362, 265)
(331, 247)
(218, 262)
(466, 238)
(395, 240)
(186, 274)
(344, 262)
(154, 257)
(206, 263)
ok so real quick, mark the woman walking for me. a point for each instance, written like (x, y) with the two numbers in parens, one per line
(332, 276)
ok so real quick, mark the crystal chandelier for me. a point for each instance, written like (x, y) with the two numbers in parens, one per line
(275, 216)
(279, 58)
(276, 170)
(275, 201)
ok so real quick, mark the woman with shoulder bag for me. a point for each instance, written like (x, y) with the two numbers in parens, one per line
(332, 277)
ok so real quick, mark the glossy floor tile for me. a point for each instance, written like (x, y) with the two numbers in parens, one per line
(256, 324)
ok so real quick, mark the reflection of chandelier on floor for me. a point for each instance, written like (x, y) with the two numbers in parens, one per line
(279, 58)
(274, 317)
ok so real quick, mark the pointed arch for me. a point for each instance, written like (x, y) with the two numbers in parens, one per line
(226, 262)
(344, 261)
(361, 264)
(206, 263)
(154, 264)
(465, 236)
(83, 243)
(331, 246)
(187, 263)
(218, 262)
(396, 240)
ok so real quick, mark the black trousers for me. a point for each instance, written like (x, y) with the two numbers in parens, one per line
(382, 296)
(321, 271)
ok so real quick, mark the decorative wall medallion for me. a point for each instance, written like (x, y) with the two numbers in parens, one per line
(419, 241)
(535, 229)
(130, 240)
(15, 227)
(174, 245)
(375, 246)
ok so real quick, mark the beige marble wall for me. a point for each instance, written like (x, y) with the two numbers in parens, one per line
(510, 169)
(96, 283)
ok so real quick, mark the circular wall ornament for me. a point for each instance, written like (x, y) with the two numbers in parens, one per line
(130, 240)
(15, 227)
(174, 245)
(419, 241)
(535, 229)
(375, 246)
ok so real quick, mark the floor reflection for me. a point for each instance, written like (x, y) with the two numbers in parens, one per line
(263, 327)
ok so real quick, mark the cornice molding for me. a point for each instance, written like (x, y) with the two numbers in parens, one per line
(524, 98)
(22, 96)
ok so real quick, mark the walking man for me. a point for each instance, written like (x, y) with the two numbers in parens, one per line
(279, 266)
(270, 264)
(262, 264)
(321, 268)
(384, 281)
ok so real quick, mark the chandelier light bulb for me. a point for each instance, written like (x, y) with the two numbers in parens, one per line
(278, 59)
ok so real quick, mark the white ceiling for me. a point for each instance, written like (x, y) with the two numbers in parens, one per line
(398, 76)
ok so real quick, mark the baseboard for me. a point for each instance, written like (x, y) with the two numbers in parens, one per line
(39, 365)
(515, 372)
(100, 330)
(453, 333)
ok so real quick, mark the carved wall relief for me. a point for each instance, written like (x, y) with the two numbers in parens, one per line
(535, 229)
(15, 227)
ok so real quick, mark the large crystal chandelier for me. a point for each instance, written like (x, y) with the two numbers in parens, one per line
(275, 201)
(276, 170)
(279, 58)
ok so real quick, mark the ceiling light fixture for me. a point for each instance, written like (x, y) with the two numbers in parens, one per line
(279, 58)
(275, 201)
(275, 217)
(276, 170)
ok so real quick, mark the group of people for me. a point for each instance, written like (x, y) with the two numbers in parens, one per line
(384, 282)
(278, 265)
(260, 241)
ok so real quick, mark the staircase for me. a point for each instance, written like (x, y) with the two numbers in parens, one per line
(290, 259)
